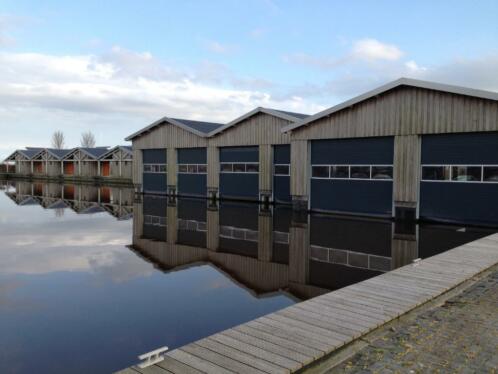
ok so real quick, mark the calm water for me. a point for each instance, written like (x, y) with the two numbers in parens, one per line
(90, 277)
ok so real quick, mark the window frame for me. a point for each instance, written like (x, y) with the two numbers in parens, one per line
(187, 167)
(280, 174)
(349, 166)
(451, 180)
(232, 167)
(158, 165)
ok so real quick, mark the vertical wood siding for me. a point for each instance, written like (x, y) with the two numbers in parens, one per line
(406, 111)
(213, 167)
(137, 166)
(172, 169)
(265, 168)
(300, 164)
(406, 170)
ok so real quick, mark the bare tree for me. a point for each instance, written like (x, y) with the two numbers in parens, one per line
(58, 139)
(88, 139)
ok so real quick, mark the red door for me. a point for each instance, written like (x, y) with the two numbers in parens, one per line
(106, 168)
(68, 168)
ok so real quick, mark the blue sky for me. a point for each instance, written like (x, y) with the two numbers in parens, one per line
(115, 66)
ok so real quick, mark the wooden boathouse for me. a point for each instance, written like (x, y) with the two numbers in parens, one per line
(409, 149)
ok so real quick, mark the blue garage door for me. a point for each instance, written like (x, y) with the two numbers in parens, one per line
(239, 173)
(155, 209)
(239, 228)
(154, 171)
(460, 178)
(192, 172)
(192, 217)
(281, 173)
(352, 175)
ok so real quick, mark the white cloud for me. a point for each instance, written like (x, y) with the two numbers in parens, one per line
(217, 47)
(372, 49)
(414, 67)
(115, 93)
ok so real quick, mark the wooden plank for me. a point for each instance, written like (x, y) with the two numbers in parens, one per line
(295, 330)
(372, 305)
(177, 367)
(196, 362)
(382, 296)
(152, 370)
(320, 321)
(298, 358)
(285, 343)
(284, 362)
(341, 314)
(240, 356)
(220, 360)
(341, 339)
(288, 333)
(361, 311)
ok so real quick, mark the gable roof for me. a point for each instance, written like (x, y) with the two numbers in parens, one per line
(389, 86)
(94, 153)
(58, 153)
(30, 152)
(125, 148)
(289, 116)
(198, 128)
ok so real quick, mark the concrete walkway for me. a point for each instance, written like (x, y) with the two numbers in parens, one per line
(461, 336)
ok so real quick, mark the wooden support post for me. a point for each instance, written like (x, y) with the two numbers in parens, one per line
(98, 168)
(213, 171)
(265, 237)
(406, 177)
(213, 229)
(172, 226)
(171, 159)
(266, 172)
(299, 252)
(300, 174)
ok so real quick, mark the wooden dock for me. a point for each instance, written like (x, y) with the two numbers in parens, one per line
(295, 337)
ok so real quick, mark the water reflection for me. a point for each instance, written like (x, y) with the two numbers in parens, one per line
(81, 281)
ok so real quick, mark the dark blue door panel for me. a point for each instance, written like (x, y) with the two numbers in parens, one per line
(155, 182)
(365, 151)
(239, 154)
(359, 197)
(473, 203)
(239, 185)
(281, 189)
(192, 184)
(192, 156)
(154, 156)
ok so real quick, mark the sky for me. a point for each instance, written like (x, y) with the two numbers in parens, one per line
(113, 67)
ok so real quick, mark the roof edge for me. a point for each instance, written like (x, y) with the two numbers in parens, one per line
(160, 121)
(459, 90)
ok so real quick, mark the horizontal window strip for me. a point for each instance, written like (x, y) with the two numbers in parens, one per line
(192, 168)
(350, 258)
(239, 167)
(353, 172)
(191, 225)
(155, 168)
(230, 232)
(150, 220)
(460, 173)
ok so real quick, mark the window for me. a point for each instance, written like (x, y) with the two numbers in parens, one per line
(154, 168)
(466, 173)
(239, 167)
(435, 173)
(319, 171)
(339, 172)
(281, 170)
(490, 173)
(360, 172)
(382, 172)
(252, 168)
(192, 168)
(226, 168)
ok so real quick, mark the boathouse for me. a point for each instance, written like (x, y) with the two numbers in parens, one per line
(242, 159)
(409, 149)
(117, 162)
(83, 162)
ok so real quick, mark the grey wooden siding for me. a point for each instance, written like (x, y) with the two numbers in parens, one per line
(406, 111)
(168, 136)
(300, 164)
(265, 168)
(172, 169)
(406, 172)
(256, 130)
